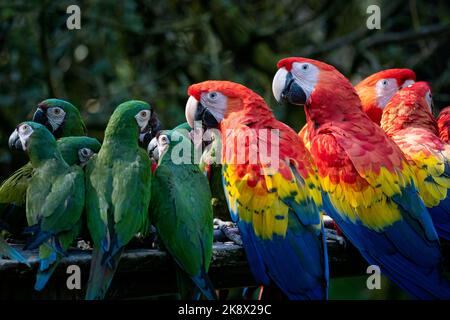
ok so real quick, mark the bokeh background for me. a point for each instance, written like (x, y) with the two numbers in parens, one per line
(153, 50)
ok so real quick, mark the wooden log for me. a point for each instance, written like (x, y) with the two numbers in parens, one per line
(145, 273)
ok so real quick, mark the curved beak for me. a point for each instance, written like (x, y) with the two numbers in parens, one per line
(286, 89)
(152, 149)
(14, 141)
(195, 111)
(41, 117)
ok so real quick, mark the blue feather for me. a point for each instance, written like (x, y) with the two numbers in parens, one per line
(10, 252)
(407, 251)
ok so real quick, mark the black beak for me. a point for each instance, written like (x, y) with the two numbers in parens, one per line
(205, 116)
(292, 92)
(14, 141)
(41, 117)
(151, 130)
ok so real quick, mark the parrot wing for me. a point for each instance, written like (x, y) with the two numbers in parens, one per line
(58, 208)
(182, 213)
(14, 189)
(430, 160)
(375, 202)
(278, 214)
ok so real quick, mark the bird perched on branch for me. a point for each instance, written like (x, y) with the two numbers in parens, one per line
(181, 208)
(409, 122)
(118, 189)
(54, 197)
(63, 120)
(276, 203)
(369, 188)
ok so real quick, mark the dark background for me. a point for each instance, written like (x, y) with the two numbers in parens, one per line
(153, 50)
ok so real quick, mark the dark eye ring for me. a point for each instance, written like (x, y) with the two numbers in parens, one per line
(385, 82)
(212, 95)
(305, 67)
(56, 111)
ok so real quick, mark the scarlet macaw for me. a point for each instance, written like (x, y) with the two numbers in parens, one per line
(444, 124)
(409, 122)
(369, 188)
(376, 90)
(277, 209)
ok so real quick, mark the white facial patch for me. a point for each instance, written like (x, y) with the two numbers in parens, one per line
(407, 83)
(24, 131)
(84, 154)
(142, 119)
(55, 116)
(216, 103)
(306, 75)
(385, 90)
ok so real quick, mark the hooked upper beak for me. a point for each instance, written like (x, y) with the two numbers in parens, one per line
(14, 141)
(195, 111)
(152, 149)
(286, 89)
(40, 117)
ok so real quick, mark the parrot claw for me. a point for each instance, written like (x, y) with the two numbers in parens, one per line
(225, 231)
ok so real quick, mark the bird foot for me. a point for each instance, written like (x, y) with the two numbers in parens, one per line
(225, 231)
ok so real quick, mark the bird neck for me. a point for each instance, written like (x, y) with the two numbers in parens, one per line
(41, 151)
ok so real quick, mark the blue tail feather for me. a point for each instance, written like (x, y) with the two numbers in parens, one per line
(11, 253)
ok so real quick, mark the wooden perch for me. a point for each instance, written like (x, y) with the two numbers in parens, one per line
(149, 272)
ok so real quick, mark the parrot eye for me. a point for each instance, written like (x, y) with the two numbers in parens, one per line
(57, 111)
(163, 139)
(384, 83)
(85, 152)
(144, 114)
(305, 66)
(212, 95)
(24, 128)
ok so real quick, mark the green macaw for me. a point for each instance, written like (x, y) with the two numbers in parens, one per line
(63, 120)
(118, 190)
(54, 197)
(210, 164)
(74, 150)
(181, 207)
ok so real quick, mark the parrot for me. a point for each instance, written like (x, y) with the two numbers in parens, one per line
(368, 187)
(181, 208)
(54, 197)
(118, 191)
(375, 91)
(408, 120)
(62, 119)
(276, 203)
(443, 122)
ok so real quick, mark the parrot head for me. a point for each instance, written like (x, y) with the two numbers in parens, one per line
(84, 155)
(376, 90)
(59, 116)
(411, 106)
(159, 145)
(212, 101)
(299, 79)
(134, 119)
(30, 135)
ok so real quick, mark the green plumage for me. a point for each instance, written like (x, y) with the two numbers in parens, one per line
(13, 189)
(118, 187)
(54, 200)
(181, 211)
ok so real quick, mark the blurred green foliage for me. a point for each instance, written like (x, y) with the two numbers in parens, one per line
(153, 50)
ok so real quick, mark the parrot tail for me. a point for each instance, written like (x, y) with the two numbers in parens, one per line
(38, 238)
(8, 251)
(103, 268)
(46, 268)
(205, 285)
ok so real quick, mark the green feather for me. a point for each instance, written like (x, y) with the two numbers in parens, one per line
(118, 189)
(181, 212)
